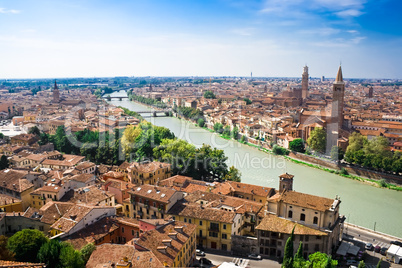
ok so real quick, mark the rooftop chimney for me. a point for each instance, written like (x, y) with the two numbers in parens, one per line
(173, 235)
(162, 249)
(179, 229)
(167, 242)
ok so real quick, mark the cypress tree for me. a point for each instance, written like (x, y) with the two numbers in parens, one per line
(288, 254)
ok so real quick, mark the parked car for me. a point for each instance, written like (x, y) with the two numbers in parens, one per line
(205, 261)
(377, 249)
(369, 246)
(397, 243)
(255, 257)
(352, 262)
(198, 252)
(383, 250)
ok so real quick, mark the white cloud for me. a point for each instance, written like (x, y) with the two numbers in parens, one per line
(349, 13)
(12, 11)
(352, 31)
(327, 31)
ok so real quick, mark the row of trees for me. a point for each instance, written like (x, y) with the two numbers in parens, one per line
(30, 245)
(226, 131)
(146, 141)
(153, 102)
(189, 113)
(373, 153)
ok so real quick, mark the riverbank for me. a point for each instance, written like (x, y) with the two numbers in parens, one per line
(382, 183)
(340, 172)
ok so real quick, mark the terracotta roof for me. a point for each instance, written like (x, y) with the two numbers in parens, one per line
(152, 240)
(90, 195)
(274, 223)
(230, 187)
(162, 194)
(82, 177)
(52, 211)
(84, 165)
(200, 212)
(92, 233)
(14, 180)
(148, 167)
(109, 255)
(306, 200)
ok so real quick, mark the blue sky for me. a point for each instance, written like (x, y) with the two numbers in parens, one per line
(93, 38)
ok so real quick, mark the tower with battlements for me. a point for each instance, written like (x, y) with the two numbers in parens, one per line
(56, 93)
(305, 82)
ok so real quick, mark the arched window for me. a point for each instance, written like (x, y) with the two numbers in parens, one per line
(290, 214)
(302, 217)
(315, 220)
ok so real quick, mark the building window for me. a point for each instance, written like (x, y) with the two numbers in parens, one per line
(315, 221)
(200, 223)
(189, 220)
(224, 226)
(224, 236)
(302, 217)
(290, 214)
(132, 232)
(185, 220)
(122, 229)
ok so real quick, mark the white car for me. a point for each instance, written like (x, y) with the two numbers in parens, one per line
(199, 252)
(254, 257)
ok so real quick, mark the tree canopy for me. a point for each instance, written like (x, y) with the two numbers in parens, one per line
(317, 140)
(209, 95)
(297, 145)
(25, 244)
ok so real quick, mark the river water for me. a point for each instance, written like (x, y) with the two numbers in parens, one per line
(362, 204)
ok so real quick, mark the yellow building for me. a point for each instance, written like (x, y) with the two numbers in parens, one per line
(148, 172)
(214, 226)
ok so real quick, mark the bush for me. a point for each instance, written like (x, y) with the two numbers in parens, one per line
(279, 150)
(382, 183)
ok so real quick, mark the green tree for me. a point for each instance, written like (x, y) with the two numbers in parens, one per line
(234, 133)
(209, 95)
(317, 140)
(297, 145)
(226, 131)
(201, 122)
(179, 153)
(86, 251)
(44, 139)
(336, 153)
(361, 264)
(34, 130)
(1, 136)
(243, 139)
(49, 253)
(397, 166)
(26, 243)
(288, 252)
(278, 150)
(218, 127)
(4, 163)
(69, 257)
(299, 253)
(5, 254)
(319, 259)
(248, 101)
(210, 163)
(233, 175)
